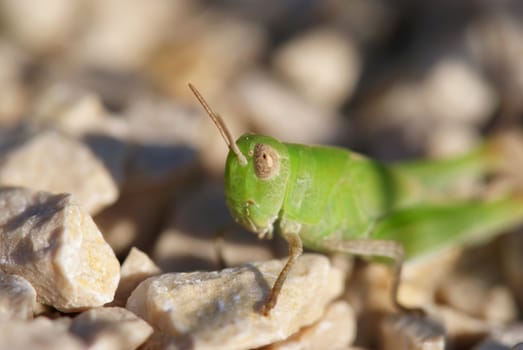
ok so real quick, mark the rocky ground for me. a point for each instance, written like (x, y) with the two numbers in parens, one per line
(111, 194)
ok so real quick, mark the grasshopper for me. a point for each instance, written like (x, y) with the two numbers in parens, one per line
(334, 200)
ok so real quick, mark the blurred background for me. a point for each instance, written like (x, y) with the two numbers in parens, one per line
(393, 79)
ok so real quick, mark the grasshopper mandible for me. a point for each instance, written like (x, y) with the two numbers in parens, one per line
(334, 200)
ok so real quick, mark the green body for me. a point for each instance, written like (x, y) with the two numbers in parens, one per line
(326, 193)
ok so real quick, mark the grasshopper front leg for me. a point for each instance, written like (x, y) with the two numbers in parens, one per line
(295, 250)
(376, 248)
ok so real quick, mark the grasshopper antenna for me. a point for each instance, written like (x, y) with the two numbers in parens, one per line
(220, 125)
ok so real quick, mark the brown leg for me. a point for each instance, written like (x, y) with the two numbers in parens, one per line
(295, 250)
(381, 248)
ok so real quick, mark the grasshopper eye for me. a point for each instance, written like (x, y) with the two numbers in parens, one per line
(266, 162)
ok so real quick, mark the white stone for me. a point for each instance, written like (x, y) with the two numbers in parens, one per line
(42, 25)
(50, 161)
(337, 328)
(40, 333)
(135, 268)
(121, 36)
(411, 332)
(50, 241)
(111, 325)
(321, 64)
(280, 112)
(218, 310)
(455, 91)
(17, 298)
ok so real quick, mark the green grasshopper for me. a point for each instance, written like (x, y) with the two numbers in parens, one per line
(334, 200)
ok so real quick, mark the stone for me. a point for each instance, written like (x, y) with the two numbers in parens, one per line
(235, 43)
(17, 298)
(508, 337)
(217, 310)
(41, 27)
(411, 332)
(14, 97)
(40, 333)
(321, 64)
(121, 36)
(135, 268)
(44, 161)
(455, 90)
(459, 324)
(475, 286)
(280, 112)
(337, 326)
(110, 325)
(53, 243)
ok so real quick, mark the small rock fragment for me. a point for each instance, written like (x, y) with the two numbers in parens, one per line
(338, 326)
(50, 241)
(136, 268)
(454, 90)
(40, 333)
(218, 310)
(111, 325)
(475, 286)
(411, 332)
(120, 36)
(44, 161)
(282, 113)
(504, 338)
(459, 325)
(17, 298)
(41, 26)
(321, 64)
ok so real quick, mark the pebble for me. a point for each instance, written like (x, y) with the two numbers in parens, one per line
(17, 298)
(14, 97)
(475, 286)
(322, 64)
(113, 326)
(413, 333)
(280, 112)
(41, 27)
(42, 160)
(454, 91)
(121, 36)
(218, 310)
(338, 326)
(135, 268)
(508, 337)
(53, 243)
(40, 333)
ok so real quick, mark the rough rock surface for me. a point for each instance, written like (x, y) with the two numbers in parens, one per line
(136, 268)
(111, 325)
(337, 326)
(43, 161)
(17, 298)
(50, 241)
(218, 310)
(40, 333)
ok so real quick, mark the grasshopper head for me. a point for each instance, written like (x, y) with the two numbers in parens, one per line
(256, 175)
(255, 191)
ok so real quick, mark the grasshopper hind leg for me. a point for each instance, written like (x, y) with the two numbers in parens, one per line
(377, 248)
